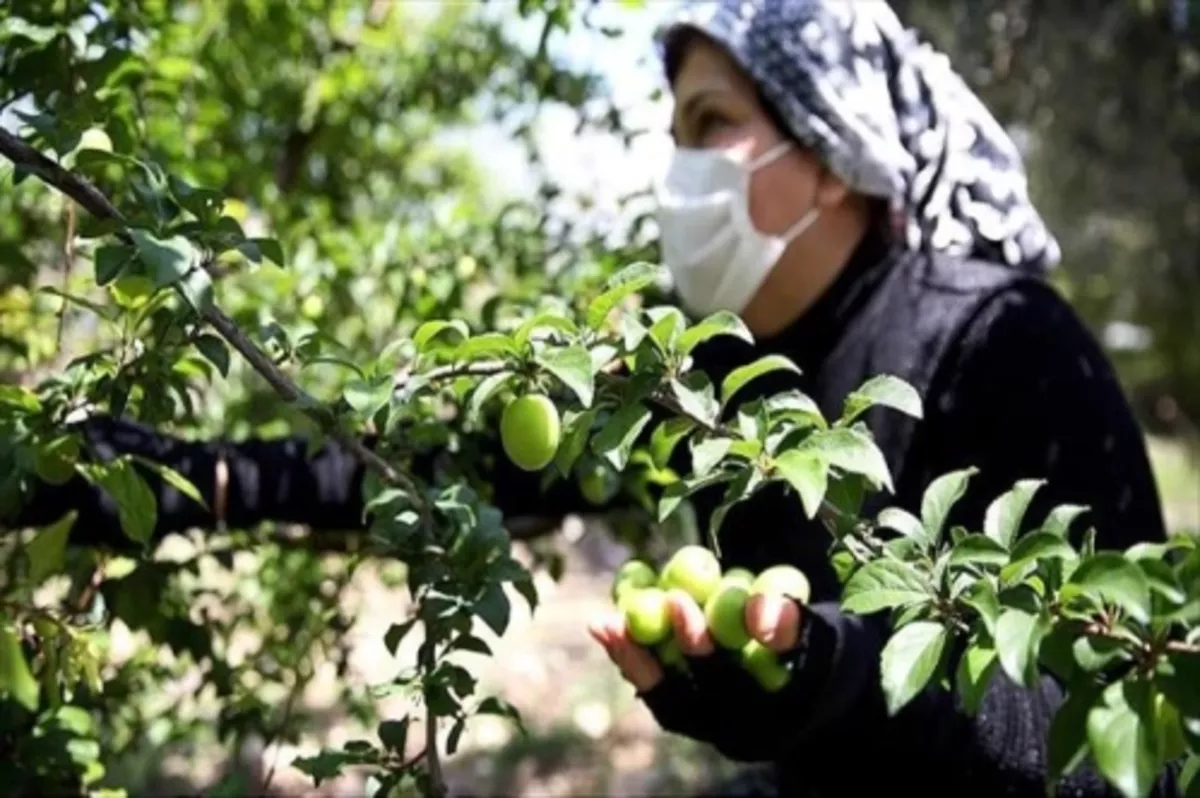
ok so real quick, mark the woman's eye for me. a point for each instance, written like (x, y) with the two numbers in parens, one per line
(707, 122)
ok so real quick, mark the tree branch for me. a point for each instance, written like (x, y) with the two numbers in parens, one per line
(96, 203)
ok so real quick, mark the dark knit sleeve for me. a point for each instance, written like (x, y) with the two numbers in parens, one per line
(269, 480)
(1025, 393)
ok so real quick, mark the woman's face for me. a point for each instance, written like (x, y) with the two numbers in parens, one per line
(716, 106)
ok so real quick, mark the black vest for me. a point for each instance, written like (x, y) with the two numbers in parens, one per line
(915, 312)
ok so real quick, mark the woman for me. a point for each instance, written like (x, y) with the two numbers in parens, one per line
(842, 190)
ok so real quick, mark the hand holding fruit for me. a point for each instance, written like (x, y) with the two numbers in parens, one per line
(696, 608)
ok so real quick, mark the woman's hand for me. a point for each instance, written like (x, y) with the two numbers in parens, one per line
(772, 620)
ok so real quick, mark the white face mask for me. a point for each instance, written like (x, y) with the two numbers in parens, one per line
(717, 257)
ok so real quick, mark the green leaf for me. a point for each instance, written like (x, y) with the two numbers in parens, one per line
(886, 390)
(455, 736)
(1109, 576)
(616, 438)
(572, 365)
(544, 321)
(493, 607)
(854, 452)
(720, 323)
(20, 398)
(978, 550)
(904, 522)
(1002, 521)
(1189, 777)
(576, 429)
(137, 508)
(694, 393)
(1059, 520)
(940, 498)
(1033, 547)
(981, 597)
(47, 552)
(396, 634)
(270, 249)
(110, 260)
(493, 344)
(498, 706)
(668, 324)
(216, 351)
(808, 474)
(173, 478)
(975, 669)
(1178, 678)
(666, 437)
(488, 387)
(707, 454)
(197, 288)
(884, 584)
(15, 677)
(367, 397)
(676, 492)
(1163, 581)
(168, 259)
(625, 283)
(1067, 741)
(1123, 740)
(452, 333)
(794, 406)
(740, 377)
(1018, 636)
(394, 734)
(909, 660)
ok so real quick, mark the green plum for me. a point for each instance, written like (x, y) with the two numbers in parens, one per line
(633, 574)
(762, 663)
(694, 570)
(725, 612)
(784, 580)
(647, 615)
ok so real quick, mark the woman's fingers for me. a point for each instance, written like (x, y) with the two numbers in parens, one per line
(773, 620)
(637, 665)
(691, 627)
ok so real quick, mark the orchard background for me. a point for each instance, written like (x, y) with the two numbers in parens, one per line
(358, 169)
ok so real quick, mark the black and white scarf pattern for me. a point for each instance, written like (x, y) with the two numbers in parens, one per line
(889, 116)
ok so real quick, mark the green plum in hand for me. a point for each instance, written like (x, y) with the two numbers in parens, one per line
(725, 613)
(633, 574)
(647, 615)
(783, 580)
(694, 570)
(763, 664)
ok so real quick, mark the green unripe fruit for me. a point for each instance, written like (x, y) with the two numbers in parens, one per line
(725, 612)
(694, 570)
(633, 574)
(765, 667)
(743, 576)
(647, 615)
(671, 655)
(530, 430)
(784, 580)
(598, 485)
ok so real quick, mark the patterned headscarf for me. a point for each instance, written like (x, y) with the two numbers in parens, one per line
(889, 116)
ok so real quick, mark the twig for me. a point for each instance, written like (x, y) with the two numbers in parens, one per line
(68, 262)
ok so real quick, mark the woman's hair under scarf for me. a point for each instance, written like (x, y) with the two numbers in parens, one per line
(888, 115)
